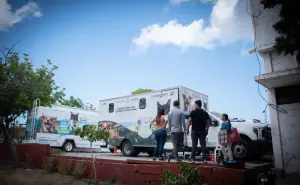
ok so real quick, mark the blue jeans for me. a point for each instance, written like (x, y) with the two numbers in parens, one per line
(160, 137)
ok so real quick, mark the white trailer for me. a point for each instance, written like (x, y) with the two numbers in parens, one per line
(128, 118)
(56, 126)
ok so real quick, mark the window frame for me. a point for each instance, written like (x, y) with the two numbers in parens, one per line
(145, 103)
(111, 110)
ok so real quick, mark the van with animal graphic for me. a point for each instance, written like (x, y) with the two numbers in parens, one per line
(128, 118)
(128, 121)
(56, 126)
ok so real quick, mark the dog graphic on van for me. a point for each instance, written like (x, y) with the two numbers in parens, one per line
(112, 130)
(187, 100)
(47, 124)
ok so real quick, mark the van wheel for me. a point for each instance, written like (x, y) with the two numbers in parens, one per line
(241, 150)
(68, 146)
(128, 149)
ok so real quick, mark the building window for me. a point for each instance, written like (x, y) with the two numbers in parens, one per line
(142, 104)
(111, 108)
(288, 95)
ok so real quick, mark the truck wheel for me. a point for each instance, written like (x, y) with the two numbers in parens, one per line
(111, 150)
(68, 146)
(128, 149)
(241, 150)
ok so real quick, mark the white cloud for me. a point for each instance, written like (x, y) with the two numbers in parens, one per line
(8, 17)
(229, 22)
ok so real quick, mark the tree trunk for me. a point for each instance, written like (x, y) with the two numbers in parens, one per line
(93, 163)
(12, 147)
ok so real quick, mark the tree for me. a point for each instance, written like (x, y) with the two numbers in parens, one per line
(288, 27)
(92, 134)
(139, 91)
(77, 102)
(20, 85)
(73, 102)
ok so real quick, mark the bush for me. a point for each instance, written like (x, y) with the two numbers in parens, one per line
(189, 175)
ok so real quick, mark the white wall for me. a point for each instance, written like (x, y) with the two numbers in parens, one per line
(274, 62)
(285, 127)
(263, 21)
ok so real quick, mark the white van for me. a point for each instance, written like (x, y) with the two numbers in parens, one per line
(128, 121)
(56, 126)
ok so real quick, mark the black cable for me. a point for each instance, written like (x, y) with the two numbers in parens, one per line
(277, 108)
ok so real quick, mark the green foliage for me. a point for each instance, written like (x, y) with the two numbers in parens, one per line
(139, 91)
(188, 175)
(21, 83)
(287, 27)
(73, 102)
(92, 133)
(77, 102)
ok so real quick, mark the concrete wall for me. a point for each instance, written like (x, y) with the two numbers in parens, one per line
(274, 62)
(285, 135)
(285, 127)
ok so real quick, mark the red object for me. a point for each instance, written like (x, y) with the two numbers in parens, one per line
(233, 135)
(211, 158)
(115, 150)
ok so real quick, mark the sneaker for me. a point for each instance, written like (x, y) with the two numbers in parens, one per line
(161, 158)
(169, 158)
(230, 161)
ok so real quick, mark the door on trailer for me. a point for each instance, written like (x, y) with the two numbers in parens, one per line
(128, 118)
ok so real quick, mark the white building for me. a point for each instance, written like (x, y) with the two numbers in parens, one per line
(282, 79)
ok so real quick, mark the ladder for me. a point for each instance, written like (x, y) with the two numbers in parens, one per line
(34, 115)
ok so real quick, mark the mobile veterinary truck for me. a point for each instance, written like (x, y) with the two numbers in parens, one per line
(128, 118)
(56, 126)
(128, 121)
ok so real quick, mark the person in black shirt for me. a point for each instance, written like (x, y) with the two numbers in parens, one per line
(200, 121)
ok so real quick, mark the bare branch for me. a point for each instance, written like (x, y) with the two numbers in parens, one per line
(8, 52)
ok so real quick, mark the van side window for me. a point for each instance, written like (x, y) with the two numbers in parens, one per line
(142, 104)
(111, 108)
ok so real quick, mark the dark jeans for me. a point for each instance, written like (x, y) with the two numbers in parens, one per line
(198, 135)
(177, 140)
(160, 137)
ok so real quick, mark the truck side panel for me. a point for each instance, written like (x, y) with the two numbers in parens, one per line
(55, 125)
(188, 98)
(130, 117)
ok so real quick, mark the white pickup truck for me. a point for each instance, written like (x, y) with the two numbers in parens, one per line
(255, 137)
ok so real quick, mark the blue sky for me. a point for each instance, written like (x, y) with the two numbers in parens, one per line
(103, 51)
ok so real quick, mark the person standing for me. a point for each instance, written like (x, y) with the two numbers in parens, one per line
(176, 122)
(160, 122)
(200, 121)
(226, 146)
